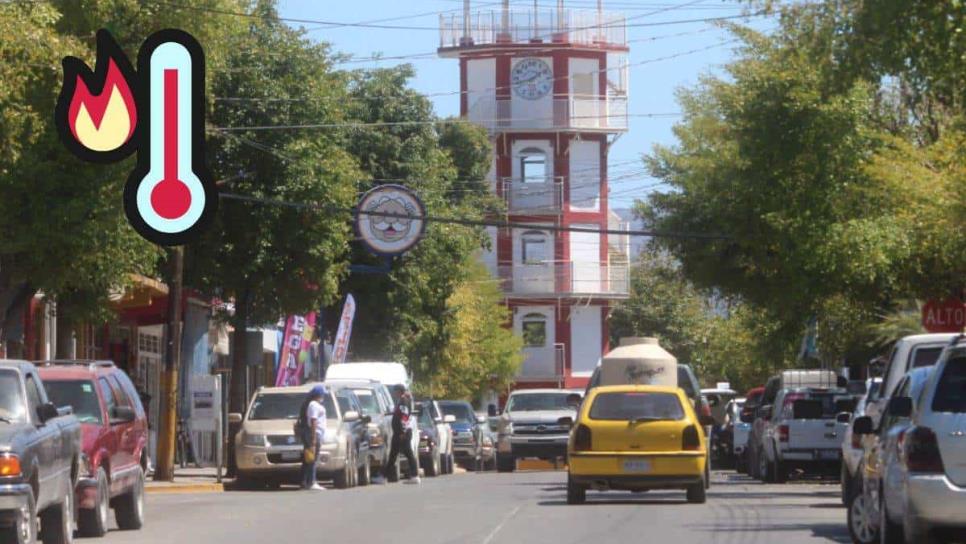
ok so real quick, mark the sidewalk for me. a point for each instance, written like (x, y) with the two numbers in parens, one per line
(188, 480)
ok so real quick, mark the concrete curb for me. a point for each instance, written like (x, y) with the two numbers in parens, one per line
(184, 488)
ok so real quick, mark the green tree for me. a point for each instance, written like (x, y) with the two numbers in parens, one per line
(274, 260)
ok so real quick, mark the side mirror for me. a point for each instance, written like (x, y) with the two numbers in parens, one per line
(351, 416)
(122, 414)
(480, 419)
(47, 411)
(234, 418)
(491, 410)
(900, 406)
(705, 420)
(449, 419)
(843, 417)
(574, 399)
(566, 422)
(862, 425)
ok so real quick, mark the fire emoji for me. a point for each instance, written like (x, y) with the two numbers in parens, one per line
(96, 111)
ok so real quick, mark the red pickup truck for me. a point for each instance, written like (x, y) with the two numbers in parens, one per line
(114, 437)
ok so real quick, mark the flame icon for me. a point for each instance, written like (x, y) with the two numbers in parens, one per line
(96, 112)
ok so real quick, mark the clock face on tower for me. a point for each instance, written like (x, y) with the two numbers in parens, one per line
(531, 78)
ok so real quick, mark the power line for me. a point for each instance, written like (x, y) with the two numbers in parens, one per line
(467, 222)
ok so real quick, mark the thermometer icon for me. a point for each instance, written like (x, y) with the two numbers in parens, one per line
(170, 195)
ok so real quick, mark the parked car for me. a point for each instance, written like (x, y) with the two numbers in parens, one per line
(732, 429)
(467, 432)
(268, 452)
(717, 400)
(392, 375)
(488, 448)
(40, 459)
(803, 433)
(916, 351)
(760, 419)
(530, 426)
(852, 446)
(605, 447)
(742, 427)
(863, 503)
(430, 451)
(922, 493)
(376, 402)
(114, 439)
(444, 433)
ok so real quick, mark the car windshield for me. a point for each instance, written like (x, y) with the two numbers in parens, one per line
(367, 400)
(634, 406)
(532, 402)
(951, 389)
(684, 382)
(11, 399)
(284, 406)
(425, 418)
(461, 412)
(79, 395)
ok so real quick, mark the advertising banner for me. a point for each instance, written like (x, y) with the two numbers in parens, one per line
(341, 346)
(295, 349)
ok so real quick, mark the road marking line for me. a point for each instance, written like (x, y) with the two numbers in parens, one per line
(489, 538)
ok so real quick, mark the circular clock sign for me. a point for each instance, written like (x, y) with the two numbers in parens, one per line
(531, 79)
(390, 219)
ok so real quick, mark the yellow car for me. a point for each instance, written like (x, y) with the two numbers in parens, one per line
(634, 438)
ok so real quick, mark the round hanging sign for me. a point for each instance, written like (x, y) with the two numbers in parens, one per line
(390, 219)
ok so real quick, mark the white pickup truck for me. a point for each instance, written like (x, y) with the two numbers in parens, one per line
(803, 433)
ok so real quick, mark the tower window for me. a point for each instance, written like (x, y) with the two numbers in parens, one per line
(534, 247)
(534, 330)
(533, 165)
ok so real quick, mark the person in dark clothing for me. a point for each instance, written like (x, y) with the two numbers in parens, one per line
(403, 425)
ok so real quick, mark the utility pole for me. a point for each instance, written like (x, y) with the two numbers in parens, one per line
(167, 427)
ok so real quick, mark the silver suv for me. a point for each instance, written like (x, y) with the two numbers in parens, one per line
(533, 424)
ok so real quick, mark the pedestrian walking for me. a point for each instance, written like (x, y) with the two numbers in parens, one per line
(403, 427)
(310, 427)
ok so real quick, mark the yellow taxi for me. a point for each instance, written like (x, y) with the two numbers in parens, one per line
(635, 438)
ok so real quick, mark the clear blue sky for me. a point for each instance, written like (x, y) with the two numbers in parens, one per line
(652, 85)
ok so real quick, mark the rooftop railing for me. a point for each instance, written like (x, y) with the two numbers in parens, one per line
(567, 26)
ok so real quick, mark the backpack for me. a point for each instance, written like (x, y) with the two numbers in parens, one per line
(301, 427)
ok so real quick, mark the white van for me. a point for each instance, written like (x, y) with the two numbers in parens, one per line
(389, 374)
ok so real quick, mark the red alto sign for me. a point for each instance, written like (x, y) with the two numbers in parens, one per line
(944, 316)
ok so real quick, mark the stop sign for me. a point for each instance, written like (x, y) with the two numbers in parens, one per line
(944, 316)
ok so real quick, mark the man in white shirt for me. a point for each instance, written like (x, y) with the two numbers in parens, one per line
(313, 415)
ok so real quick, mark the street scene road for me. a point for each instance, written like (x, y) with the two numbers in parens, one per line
(490, 508)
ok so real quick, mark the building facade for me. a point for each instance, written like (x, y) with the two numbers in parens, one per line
(551, 86)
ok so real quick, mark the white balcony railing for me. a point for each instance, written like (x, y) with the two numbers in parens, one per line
(607, 113)
(565, 279)
(567, 26)
(543, 364)
(540, 197)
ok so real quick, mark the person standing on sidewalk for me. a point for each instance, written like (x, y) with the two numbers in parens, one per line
(403, 425)
(311, 426)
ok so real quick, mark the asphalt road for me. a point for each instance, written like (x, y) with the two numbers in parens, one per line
(490, 508)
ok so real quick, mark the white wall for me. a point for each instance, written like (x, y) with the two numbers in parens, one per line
(585, 260)
(584, 73)
(480, 80)
(585, 176)
(585, 333)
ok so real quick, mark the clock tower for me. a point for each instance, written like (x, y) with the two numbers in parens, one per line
(550, 85)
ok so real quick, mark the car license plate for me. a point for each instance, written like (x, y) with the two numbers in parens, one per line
(637, 466)
(291, 456)
(828, 454)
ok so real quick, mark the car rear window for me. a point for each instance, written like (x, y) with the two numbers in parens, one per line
(284, 406)
(951, 389)
(926, 356)
(629, 406)
(79, 395)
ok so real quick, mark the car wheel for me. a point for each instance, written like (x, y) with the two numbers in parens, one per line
(781, 473)
(352, 467)
(889, 532)
(845, 482)
(762, 467)
(432, 464)
(697, 493)
(505, 463)
(576, 493)
(863, 518)
(57, 521)
(24, 528)
(343, 478)
(92, 522)
(129, 508)
(365, 473)
(707, 475)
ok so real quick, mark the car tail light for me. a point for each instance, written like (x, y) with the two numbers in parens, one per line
(9, 466)
(582, 437)
(921, 451)
(783, 433)
(690, 440)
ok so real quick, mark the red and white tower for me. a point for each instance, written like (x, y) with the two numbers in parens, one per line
(550, 84)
